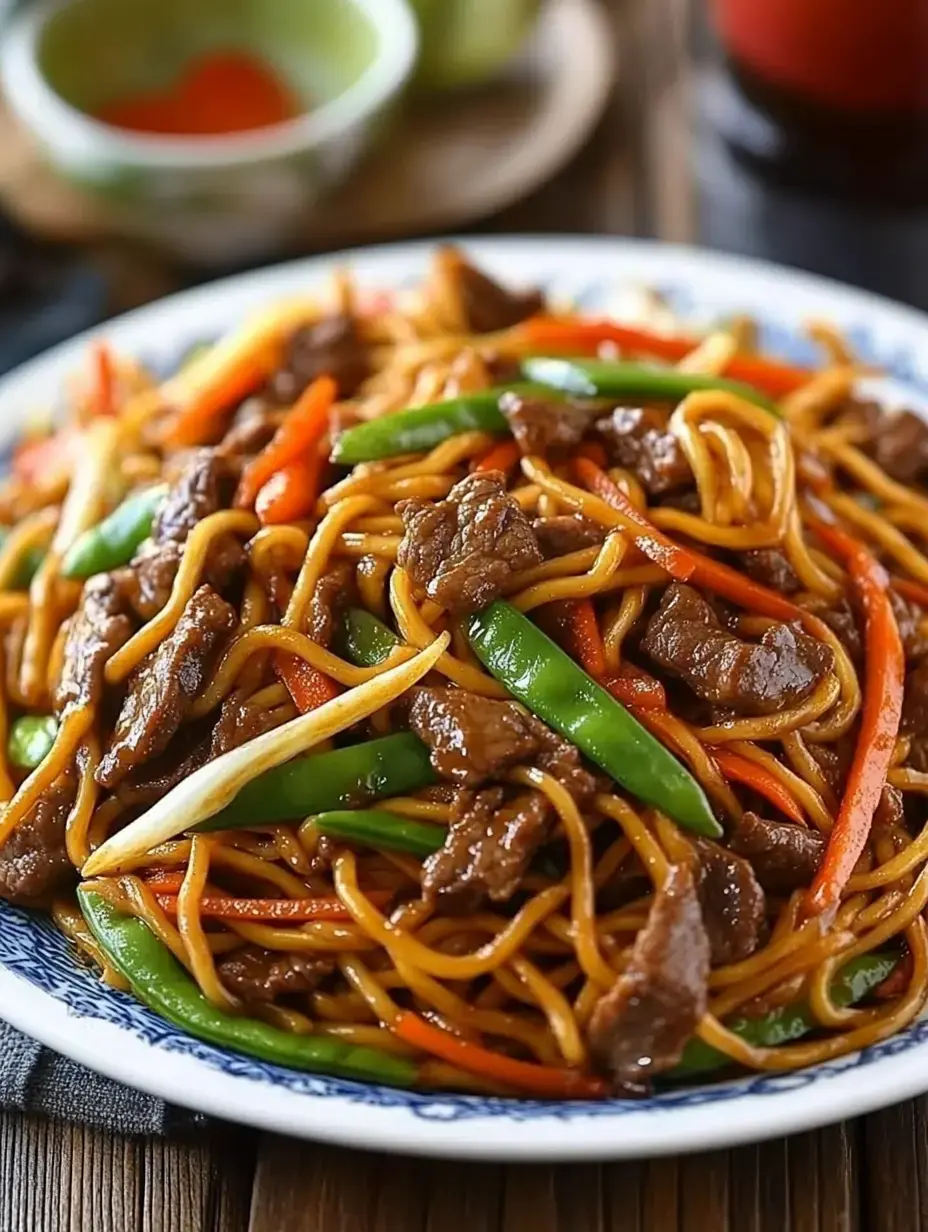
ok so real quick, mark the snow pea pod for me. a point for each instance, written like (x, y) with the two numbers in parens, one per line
(615, 379)
(550, 684)
(345, 778)
(31, 737)
(113, 542)
(378, 828)
(788, 1022)
(159, 981)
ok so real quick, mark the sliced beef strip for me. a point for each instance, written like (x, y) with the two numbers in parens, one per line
(566, 533)
(148, 581)
(489, 846)
(909, 618)
(487, 306)
(770, 567)
(240, 721)
(331, 346)
(637, 439)
(334, 592)
(640, 1027)
(889, 810)
(258, 976)
(461, 551)
(34, 863)
(204, 485)
(784, 856)
(685, 638)
(163, 687)
(915, 701)
(732, 903)
(253, 426)
(474, 739)
(149, 782)
(540, 425)
(97, 630)
(899, 444)
(841, 618)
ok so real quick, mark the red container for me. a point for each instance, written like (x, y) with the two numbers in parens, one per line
(850, 56)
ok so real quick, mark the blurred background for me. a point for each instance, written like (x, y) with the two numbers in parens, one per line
(149, 144)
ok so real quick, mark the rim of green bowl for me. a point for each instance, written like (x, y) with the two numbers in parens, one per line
(44, 110)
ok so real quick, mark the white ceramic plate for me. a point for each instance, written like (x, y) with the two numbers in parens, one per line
(45, 992)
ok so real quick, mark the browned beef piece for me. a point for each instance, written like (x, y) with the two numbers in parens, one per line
(640, 1027)
(461, 551)
(685, 638)
(542, 424)
(889, 810)
(834, 760)
(166, 683)
(770, 567)
(331, 346)
(334, 592)
(152, 780)
(488, 306)
(784, 856)
(259, 976)
(637, 439)
(909, 617)
(239, 721)
(34, 864)
(566, 533)
(97, 630)
(148, 581)
(915, 701)
(474, 739)
(899, 445)
(732, 903)
(841, 618)
(488, 848)
(205, 485)
(253, 425)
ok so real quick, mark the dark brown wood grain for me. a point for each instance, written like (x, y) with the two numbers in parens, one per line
(867, 1176)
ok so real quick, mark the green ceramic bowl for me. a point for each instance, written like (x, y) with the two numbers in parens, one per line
(207, 199)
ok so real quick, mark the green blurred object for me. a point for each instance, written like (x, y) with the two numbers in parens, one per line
(465, 42)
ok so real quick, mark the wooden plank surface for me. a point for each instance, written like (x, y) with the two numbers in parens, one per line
(865, 1176)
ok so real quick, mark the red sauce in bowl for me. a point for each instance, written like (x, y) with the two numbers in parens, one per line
(219, 93)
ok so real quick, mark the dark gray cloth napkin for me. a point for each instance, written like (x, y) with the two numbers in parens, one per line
(34, 1079)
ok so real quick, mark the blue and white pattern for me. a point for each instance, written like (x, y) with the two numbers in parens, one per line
(32, 950)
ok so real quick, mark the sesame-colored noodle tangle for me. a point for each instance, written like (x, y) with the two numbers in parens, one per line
(458, 759)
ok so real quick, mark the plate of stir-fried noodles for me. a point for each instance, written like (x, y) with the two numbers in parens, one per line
(474, 699)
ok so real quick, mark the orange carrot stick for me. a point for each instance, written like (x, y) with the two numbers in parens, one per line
(760, 779)
(543, 1081)
(298, 435)
(308, 687)
(502, 457)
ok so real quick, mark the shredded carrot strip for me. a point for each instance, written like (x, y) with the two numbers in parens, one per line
(291, 494)
(103, 400)
(502, 457)
(299, 434)
(195, 418)
(915, 591)
(884, 680)
(308, 687)
(544, 1081)
(751, 774)
(585, 641)
(582, 337)
(294, 910)
(633, 687)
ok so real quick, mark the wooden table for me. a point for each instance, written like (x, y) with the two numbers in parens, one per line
(864, 1176)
